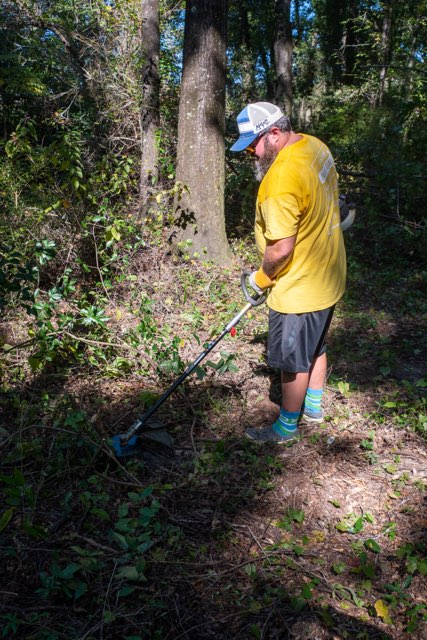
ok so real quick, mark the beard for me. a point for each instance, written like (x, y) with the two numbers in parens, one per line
(263, 164)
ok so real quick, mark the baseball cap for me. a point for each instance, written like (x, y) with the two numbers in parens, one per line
(252, 120)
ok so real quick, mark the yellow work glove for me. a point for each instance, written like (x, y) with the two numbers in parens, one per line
(259, 281)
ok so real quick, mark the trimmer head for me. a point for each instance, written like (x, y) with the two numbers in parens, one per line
(125, 450)
(146, 442)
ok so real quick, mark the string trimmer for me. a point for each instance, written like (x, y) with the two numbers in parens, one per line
(126, 444)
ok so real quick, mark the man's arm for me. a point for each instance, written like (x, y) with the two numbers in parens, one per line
(276, 255)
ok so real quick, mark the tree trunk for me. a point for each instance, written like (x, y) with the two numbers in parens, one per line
(385, 49)
(408, 80)
(283, 55)
(199, 209)
(297, 20)
(150, 117)
(247, 64)
(349, 52)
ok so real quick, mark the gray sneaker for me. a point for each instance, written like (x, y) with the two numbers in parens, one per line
(312, 416)
(266, 435)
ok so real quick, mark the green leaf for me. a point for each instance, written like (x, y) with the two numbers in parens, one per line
(358, 601)
(391, 468)
(422, 567)
(255, 631)
(147, 398)
(339, 567)
(131, 572)
(368, 570)
(372, 545)
(390, 530)
(108, 616)
(6, 518)
(93, 316)
(297, 515)
(306, 592)
(80, 589)
(123, 510)
(382, 611)
(358, 525)
(125, 525)
(115, 233)
(250, 570)
(137, 497)
(407, 582)
(36, 532)
(343, 387)
(412, 564)
(125, 591)
(45, 251)
(121, 540)
(297, 603)
(101, 513)
(366, 585)
(69, 570)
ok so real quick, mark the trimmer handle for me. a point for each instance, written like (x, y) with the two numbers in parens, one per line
(256, 299)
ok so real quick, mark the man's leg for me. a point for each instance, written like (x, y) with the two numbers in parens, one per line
(313, 398)
(286, 348)
(294, 386)
(318, 370)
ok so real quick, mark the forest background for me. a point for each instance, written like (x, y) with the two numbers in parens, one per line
(125, 223)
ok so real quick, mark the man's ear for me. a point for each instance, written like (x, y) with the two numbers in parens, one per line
(275, 133)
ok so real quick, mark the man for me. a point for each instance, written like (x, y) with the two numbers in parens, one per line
(298, 236)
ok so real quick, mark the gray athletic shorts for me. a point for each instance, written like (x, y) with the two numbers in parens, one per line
(295, 340)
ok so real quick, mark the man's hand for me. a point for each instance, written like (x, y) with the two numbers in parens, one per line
(259, 281)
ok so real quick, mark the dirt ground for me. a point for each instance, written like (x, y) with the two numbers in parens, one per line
(323, 538)
(270, 527)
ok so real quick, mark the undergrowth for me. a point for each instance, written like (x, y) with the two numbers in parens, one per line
(96, 547)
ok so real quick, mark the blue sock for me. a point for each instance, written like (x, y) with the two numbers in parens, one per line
(286, 422)
(313, 400)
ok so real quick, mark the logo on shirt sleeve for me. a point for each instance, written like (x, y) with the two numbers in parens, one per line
(324, 171)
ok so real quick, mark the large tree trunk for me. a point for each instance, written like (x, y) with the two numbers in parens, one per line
(150, 118)
(297, 20)
(246, 56)
(283, 55)
(386, 35)
(200, 162)
(349, 51)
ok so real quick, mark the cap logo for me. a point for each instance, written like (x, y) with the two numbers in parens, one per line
(262, 124)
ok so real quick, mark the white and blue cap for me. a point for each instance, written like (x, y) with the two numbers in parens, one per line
(253, 120)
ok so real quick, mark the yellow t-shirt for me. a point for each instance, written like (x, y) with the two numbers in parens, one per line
(299, 195)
